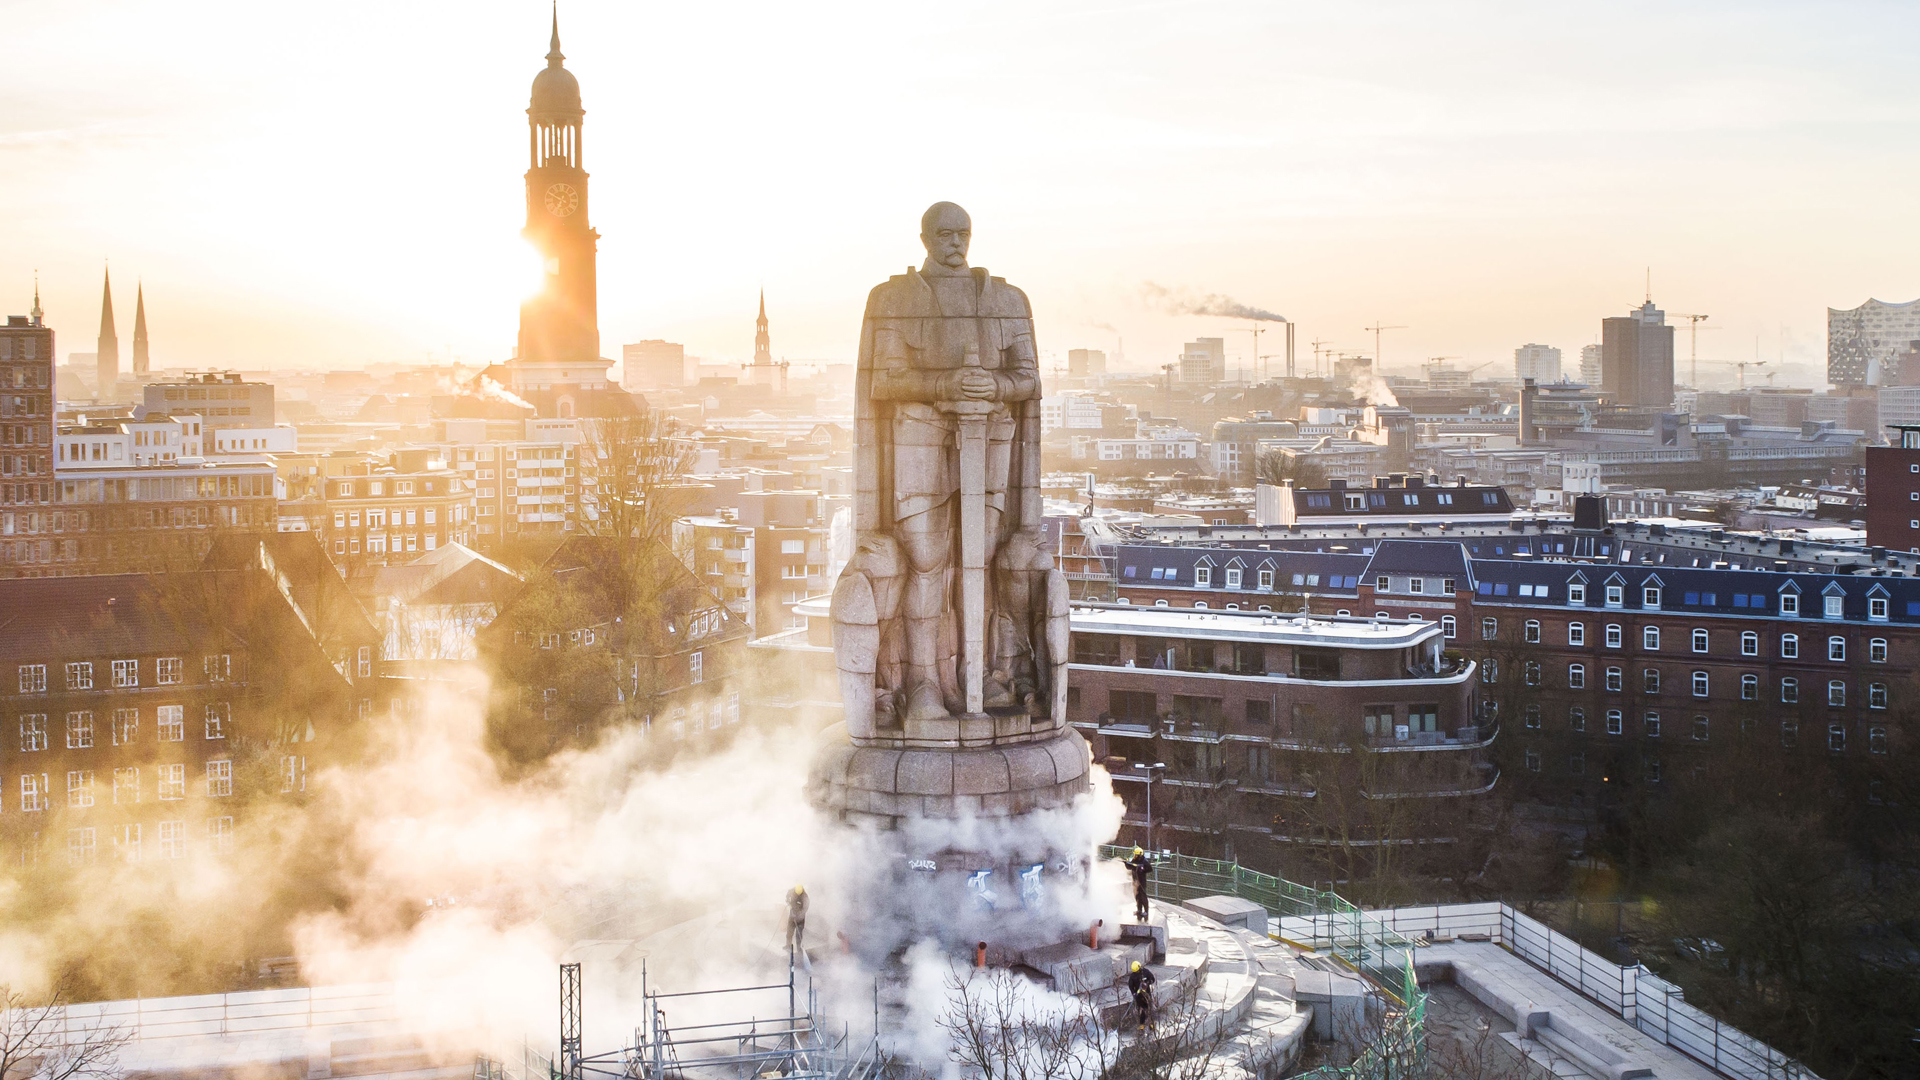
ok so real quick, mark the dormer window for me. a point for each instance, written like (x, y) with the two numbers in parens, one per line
(1356, 502)
(1835, 606)
(1616, 595)
(1789, 604)
(1576, 593)
(1382, 584)
(1203, 575)
(1877, 608)
(1415, 585)
(1650, 596)
(1233, 577)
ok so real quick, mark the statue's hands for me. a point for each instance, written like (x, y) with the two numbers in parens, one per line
(973, 384)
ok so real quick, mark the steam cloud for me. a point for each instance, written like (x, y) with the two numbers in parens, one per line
(428, 865)
(1182, 302)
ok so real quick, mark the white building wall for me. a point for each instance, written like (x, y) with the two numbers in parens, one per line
(1541, 363)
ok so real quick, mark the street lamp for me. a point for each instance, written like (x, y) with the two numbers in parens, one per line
(1150, 770)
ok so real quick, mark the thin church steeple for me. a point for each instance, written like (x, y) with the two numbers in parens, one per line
(139, 329)
(107, 360)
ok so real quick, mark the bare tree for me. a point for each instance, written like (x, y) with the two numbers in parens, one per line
(41, 1041)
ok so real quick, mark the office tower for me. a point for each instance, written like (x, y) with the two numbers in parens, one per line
(1590, 365)
(1636, 357)
(1541, 363)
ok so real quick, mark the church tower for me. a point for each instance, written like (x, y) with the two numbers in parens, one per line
(560, 325)
(107, 361)
(139, 331)
(762, 343)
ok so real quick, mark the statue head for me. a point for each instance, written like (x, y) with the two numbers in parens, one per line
(946, 230)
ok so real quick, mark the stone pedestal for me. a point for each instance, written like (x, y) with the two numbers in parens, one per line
(881, 785)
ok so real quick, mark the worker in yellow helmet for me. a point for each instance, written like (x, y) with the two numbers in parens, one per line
(1139, 866)
(1140, 985)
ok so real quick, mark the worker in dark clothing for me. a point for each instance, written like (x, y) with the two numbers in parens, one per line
(797, 919)
(1139, 866)
(1140, 985)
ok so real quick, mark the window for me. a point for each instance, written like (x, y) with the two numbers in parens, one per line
(1381, 584)
(1653, 770)
(1576, 593)
(1650, 680)
(79, 730)
(1616, 681)
(1530, 672)
(218, 713)
(1700, 724)
(166, 671)
(80, 675)
(35, 795)
(1576, 633)
(1876, 695)
(364, 661)
(1650, 596)
(1835, 607)
(1203, 575)
(1836, 693)
(1447, 586)
(33, 732)
(33, 678)
(1530, 716)
(1133, 706)
(1533, 631)
(1448, 627)
(1789, 603)
(1877, 651)
(1790, 646)
(1233, 577)
(1615, 636)
(173, 839)
(80, 846)
(1749, 688)
(1789, 690)
(126, 726)
(1489, 629)
(1876, 740)
(1616, 595)
(126, 843)
(218, 668)
(1577, 718)
(1699, 640)
(171, 720)
(1615, 722)
(126, 673)
(1836, 648)
(1533, 760)
(173, 782)
(1416, 585)
(1789, 732)
(1699, 684)
(1266, 579)
(220, 834)
(1836, 737)
(1877, 608)
(696, 668)
(219, 778)
(1749, 643)
(1650, 723)
(293, 772)
(1650, 638)
(1576, 676)
(126, 786)
(80, 787)
(1490, 670)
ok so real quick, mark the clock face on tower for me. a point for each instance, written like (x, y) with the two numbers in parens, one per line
(562, 200)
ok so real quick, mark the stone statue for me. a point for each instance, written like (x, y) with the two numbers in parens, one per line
(950, 609)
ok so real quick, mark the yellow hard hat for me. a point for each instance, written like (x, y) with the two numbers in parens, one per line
(1137, 851)
(799, 888)
(1136, 965)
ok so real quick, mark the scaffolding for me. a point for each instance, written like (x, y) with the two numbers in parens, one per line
(795, 1043)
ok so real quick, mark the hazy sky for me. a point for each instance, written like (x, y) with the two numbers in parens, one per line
(336, 184)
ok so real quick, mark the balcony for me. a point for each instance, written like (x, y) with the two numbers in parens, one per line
(734, 555)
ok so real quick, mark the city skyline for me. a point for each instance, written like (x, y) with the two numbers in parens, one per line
(1387, 160)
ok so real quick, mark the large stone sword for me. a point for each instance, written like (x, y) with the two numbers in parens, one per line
(972, 424)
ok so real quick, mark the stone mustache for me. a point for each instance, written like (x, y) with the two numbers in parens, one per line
(950, 619)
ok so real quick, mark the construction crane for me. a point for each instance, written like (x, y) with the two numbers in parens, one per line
(1375, 331)
(1319, 346)
(1693, 345)
(1742, 366)
(1256, 330)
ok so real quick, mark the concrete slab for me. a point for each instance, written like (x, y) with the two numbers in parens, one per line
(1230, 911)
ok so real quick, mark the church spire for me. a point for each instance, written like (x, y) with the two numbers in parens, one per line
(107, 360)
(554, 56)
(139, 329)
(762, 344)
(36, 298)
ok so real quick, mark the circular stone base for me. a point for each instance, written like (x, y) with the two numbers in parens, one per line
(882, 785)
